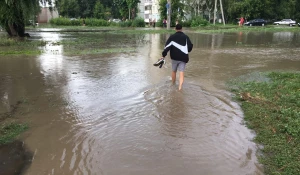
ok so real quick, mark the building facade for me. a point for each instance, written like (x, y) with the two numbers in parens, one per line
(149, 10)
(46, 14)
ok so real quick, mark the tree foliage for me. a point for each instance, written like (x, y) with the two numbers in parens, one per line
(14, 13)
(233, 9)
(177, 10)
(103, 9)
(267, 9)
(68, 8)
(100, 11)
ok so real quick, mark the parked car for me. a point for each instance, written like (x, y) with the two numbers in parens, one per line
(256, 22)
(298, 24)
(116, 20)
(288, 22)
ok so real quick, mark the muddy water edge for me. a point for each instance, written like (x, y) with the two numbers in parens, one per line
(95, 104)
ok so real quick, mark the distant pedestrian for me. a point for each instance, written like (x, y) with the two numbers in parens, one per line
(165, 23)
(241, 23)
(153, 22)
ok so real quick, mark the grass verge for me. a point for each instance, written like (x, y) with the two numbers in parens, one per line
(271, 107)
(148, 30)
(20, 46)
(10, 131)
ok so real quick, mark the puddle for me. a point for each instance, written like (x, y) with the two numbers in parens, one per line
(115, 113)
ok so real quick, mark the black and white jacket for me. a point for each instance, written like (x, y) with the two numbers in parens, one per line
(179, 46)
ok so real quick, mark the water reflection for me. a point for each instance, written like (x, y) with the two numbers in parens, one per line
(283, 37)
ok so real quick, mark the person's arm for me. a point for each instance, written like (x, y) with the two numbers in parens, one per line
(190, 45)
(166, 49)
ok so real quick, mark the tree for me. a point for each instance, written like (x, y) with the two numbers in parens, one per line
(267, 9)
(177, 10)
(14, 13)
(100, 11)
(132, 8)
(86, 8)
(127, 8)
(68, 8)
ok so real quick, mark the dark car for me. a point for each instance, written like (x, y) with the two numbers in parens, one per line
(256, 22)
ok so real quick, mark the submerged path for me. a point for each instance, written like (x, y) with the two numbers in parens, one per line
(115, 113)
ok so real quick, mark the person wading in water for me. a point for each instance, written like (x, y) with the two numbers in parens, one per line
(179, 46)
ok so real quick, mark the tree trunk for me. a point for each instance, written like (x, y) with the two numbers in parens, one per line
(16, 29)
(129, 12)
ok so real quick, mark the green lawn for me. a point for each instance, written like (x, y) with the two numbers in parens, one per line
(271, 107)
(10, 131)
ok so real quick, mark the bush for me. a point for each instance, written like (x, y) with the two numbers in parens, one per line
(159, 23)
(125, 23)
(187, 23)
(77, 22)
(65, 22)
(198, 21)
(138, 22)
(96, 22)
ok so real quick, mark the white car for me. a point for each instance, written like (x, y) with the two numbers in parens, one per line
(288, 22)
(116, 20)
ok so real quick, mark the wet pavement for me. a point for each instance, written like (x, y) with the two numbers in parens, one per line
(115, 113)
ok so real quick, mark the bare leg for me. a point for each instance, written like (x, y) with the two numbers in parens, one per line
(181, 78)
(173, 77)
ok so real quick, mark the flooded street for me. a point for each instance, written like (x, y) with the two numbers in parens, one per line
(112, 112)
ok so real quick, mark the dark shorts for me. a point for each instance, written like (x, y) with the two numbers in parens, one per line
(178, 65)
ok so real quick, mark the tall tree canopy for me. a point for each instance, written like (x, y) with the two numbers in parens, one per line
(98, 8)
(177, 10)
(127, 8)
(267, 9)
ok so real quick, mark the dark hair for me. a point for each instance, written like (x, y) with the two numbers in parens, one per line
(178, 27)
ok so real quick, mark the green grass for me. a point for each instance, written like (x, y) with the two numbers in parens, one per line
(18, 46)
(203, 29)
(109, 29)
(235, 28)
(10, 131)
(21, 52)
(6, 41)
(99, 51)
(271, 105)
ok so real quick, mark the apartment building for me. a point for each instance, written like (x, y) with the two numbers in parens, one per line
(149, 10)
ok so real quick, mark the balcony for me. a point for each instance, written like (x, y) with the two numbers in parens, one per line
(147, 11)
(148, 2)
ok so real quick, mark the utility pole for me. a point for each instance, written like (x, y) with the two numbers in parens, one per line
(169, 14)
(222, 12)
(215, 11)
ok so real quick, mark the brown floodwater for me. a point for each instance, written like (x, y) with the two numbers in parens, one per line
(115, 113)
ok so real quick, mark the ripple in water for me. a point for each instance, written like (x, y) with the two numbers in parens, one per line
(165, 131)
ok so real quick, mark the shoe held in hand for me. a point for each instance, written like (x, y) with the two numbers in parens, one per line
(160, 62)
